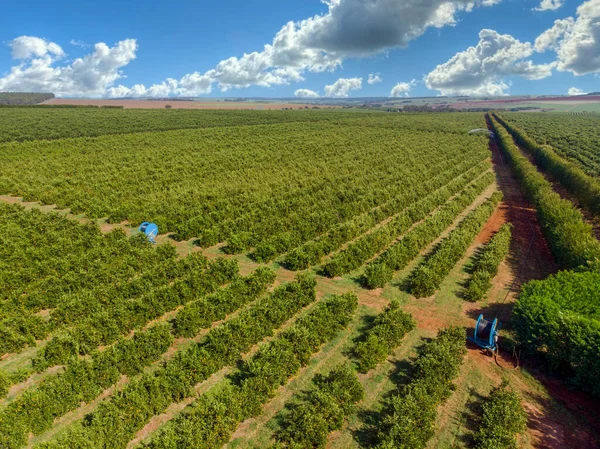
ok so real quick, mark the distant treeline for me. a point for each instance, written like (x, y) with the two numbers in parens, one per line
(23, 98)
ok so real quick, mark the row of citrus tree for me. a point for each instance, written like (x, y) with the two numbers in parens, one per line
(45, 257)
(438, 174)
(116, 420)
(381, 269)
(428, 276)
(83, 379)
(569, 236)
(105, 326)
(312, 252)
(584, 187)
(367, 246)
(574, 137)
(310, 417)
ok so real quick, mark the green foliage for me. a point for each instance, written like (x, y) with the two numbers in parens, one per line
(23, 98)
(570, 237)
(410, 414)
(502, 420)
(584, 187)
(575, 137)
(115, 421)
(107, 324)
(486, 266)
(428, 277)
(296, 194)
(212, 419)
(47, 261)
(560, 318)
(266, 188)
(312, 252)
(199, 314)
(370, 244)
(321, 410)
(400, 254)
(5, 383)
(83, 380)
(389, 328)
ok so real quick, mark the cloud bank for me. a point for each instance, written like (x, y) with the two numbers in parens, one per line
(349, 28)
(573, 91)
(90, 75)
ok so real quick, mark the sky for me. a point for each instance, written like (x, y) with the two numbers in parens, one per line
(300, 48)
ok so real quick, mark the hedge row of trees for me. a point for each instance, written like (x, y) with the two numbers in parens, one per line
(410, 415)
(115, 421)
(271, 238)
(570, 237)
(573, 136)
(200, 314)
(84, 379)
(212, 418)
(312, 252)
(357, 253)
(583, 186)
(559, 318)
(503, 419)
(35, 409)
(8, 379)
(321, 410)
(45, 258)
(487, 263)
(386, 334)
(107, 325)
(428, 276)
(381, 270)
(78, 306)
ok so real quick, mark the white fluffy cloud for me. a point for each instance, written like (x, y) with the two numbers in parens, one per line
(90, 75)
(575, 91)
(575, 41)
(480, 70)
(26, 47)
(549, 5)
(342, 87)
(306, 93)
(374, 78)
(402, 89)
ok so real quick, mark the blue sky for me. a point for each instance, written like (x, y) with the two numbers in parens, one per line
(418, 47)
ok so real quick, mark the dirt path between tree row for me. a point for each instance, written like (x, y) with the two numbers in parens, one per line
(530, 258)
